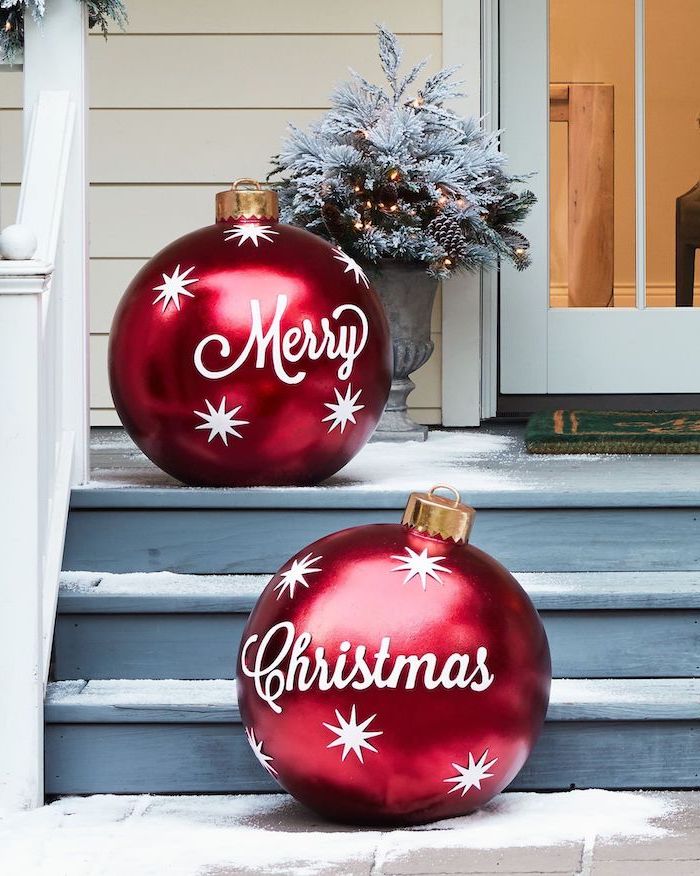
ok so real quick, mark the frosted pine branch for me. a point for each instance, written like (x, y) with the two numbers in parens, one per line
(380, 167)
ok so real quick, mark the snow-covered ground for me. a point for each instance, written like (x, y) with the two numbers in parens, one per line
(205, 836)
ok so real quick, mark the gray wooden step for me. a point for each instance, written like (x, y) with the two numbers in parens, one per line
(186, 737)
(237, 532)
(567, 513)
(165, 625)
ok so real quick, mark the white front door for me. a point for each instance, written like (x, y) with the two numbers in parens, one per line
(599, 101)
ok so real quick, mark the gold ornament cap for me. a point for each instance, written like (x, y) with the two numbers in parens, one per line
(438, 515)
(251, 202)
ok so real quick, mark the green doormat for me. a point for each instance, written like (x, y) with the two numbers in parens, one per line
(614, 432)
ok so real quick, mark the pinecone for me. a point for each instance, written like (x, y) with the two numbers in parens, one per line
(387, 194)
(448, 233)
(332, 217)
(514, 238)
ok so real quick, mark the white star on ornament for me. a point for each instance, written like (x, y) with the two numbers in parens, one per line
(220, 422)
(173, 287)
(250, 231)
(473, 775)
(296, 574)
(420, 564)
(263, 759)
(351, 735)
(351, 266)
(344, 411)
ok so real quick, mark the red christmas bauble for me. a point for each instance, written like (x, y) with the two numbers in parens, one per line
(394, 673)
(250, 352)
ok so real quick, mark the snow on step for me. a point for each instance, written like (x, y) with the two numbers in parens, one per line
(101, 584)
(571, 699)
(638, 699)
(612, 590)
(550, 591)
(141, 693)
(186, 836)
(489, 466)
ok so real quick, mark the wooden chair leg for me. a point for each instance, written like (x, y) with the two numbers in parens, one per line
(591, 195)
(685, 274)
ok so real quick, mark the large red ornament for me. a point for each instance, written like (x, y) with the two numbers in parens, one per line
(250, 352)
(394, 674)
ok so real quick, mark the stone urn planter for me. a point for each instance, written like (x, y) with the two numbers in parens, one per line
(408, 295)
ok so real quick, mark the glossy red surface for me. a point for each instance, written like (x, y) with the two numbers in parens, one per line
(185, 347)
(431, 732)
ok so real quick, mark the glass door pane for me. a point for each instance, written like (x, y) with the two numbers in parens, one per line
(672, 152)
(592, 153)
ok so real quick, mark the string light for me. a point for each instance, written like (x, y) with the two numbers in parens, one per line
(461, 202)
(359, 225)
(447, 262)
(418, 102)
(394, 175)
(520, 251)
(368, 204)
(393, 208)
(357, 189)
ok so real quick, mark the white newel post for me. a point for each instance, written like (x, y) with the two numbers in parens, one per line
(21, 676)
(55, 58)
(43, 386)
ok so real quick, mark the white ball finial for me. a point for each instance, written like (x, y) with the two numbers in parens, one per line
(17, 242)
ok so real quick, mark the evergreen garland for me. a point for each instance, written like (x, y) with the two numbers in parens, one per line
(388, 175)
(12, 12)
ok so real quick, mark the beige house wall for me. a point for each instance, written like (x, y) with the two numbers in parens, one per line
(181, 104)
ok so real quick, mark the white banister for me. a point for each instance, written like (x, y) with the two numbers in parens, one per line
(43, 387)
(21, 668)
(55, 58)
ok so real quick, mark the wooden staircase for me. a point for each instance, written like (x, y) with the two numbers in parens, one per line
(143, 697)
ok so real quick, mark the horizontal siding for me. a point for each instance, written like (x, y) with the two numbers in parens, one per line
(128, 145)
(181, 104)
(281, 16)
(214, 70)
(255, 71)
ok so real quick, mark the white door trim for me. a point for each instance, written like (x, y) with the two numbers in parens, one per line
(569, 351)
(524, 41)
(489, 279)
(461, 295)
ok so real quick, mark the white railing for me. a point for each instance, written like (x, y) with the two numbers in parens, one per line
(43, 387)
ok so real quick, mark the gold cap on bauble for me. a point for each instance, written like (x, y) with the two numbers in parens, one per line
(247, 199)
(439, 515)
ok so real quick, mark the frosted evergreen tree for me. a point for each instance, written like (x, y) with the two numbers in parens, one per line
(388, 175)
(12, 12)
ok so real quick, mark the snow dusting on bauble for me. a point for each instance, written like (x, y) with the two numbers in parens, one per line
(394, 674)
(250, 352)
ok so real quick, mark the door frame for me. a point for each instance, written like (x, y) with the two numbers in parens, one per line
(490, 281)
(462, 336)
(470, 302)
(539, 334)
